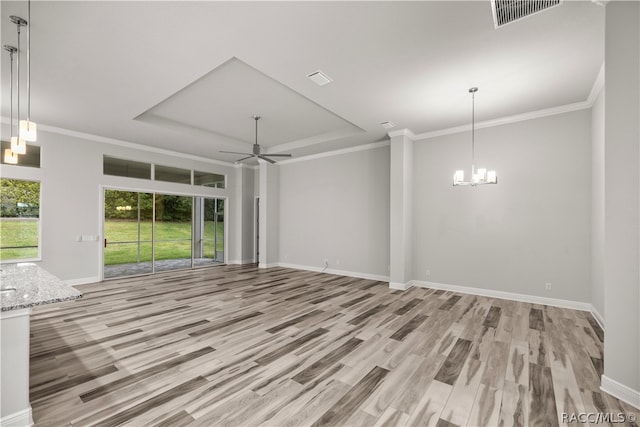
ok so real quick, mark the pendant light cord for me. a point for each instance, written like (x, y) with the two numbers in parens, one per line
(18, 25)
(28, 60)
(11, 51)
(473, 91)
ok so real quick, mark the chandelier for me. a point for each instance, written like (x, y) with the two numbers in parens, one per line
(479, 176)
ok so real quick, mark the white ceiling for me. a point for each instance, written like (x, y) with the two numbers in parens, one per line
(189, 76)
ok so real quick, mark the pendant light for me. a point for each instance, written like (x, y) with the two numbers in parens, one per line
(10, 156)
(480, 176)
(28, 129)
(18, 144)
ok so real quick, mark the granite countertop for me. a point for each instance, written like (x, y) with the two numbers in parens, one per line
(25, 285)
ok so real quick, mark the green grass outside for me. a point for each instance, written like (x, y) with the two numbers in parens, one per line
(178, 232)
(25, 233)
(17, 235)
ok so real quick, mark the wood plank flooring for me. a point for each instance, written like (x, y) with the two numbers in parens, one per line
(241, 346)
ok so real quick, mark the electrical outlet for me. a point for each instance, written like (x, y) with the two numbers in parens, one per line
(547, 286)
(427, 273)
(337, 261)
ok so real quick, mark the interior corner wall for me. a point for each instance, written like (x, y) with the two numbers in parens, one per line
(71, 198)
(622, 201)
(269, 215)
(532, 228)
(597, 204)
(337, 208)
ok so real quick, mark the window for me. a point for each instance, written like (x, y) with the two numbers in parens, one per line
(126, 168)
(30, 159)
(19, 219)
(169, 174)
(132, 169)
(208, 179)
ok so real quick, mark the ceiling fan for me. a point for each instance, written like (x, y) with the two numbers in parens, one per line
(256, 149)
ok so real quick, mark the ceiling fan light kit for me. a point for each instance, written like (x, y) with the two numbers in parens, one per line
(481, 176)
(257, 153)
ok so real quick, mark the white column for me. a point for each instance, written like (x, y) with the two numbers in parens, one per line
(237, 215)
(401, 213)
(269, 216)
(622, 201)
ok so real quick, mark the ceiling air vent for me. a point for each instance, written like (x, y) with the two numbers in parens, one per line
(507, 11)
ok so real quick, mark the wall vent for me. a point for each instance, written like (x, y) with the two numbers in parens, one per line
(507, 11)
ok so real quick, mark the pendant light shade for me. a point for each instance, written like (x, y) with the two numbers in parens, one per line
(10, 157)
(28, 131)
(480, 176)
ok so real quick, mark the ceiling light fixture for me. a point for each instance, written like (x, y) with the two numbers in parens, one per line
(481, 176)
(319, 78)
(28, 129)
(11, 156)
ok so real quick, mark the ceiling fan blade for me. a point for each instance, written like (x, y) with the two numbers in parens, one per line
(245, 158)
(235, 152)
(277, 155)
(266, 158)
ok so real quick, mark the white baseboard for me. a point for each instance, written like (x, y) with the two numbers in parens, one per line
(598, 317)
(82, 281)
(241, 261)
(268, 265)
(400, 286)
(575, 305)
(621, 391)
(18, 419)
(333, 271)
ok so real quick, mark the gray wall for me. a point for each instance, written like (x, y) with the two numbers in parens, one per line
(597, 204)
(71, 198)
(532, 228)
(337, 208)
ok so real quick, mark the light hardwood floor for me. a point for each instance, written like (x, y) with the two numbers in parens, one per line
(239, 346)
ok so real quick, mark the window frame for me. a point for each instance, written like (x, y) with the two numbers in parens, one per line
(26, 177)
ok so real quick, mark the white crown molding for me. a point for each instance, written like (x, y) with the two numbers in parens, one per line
(583, 105)
(621, 391)
(597, 87)
(403, 132)
(363, 147)
(126, 144)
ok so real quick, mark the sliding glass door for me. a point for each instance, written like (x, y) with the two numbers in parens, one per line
(128, 233)
(173, 230)
(147, 233)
